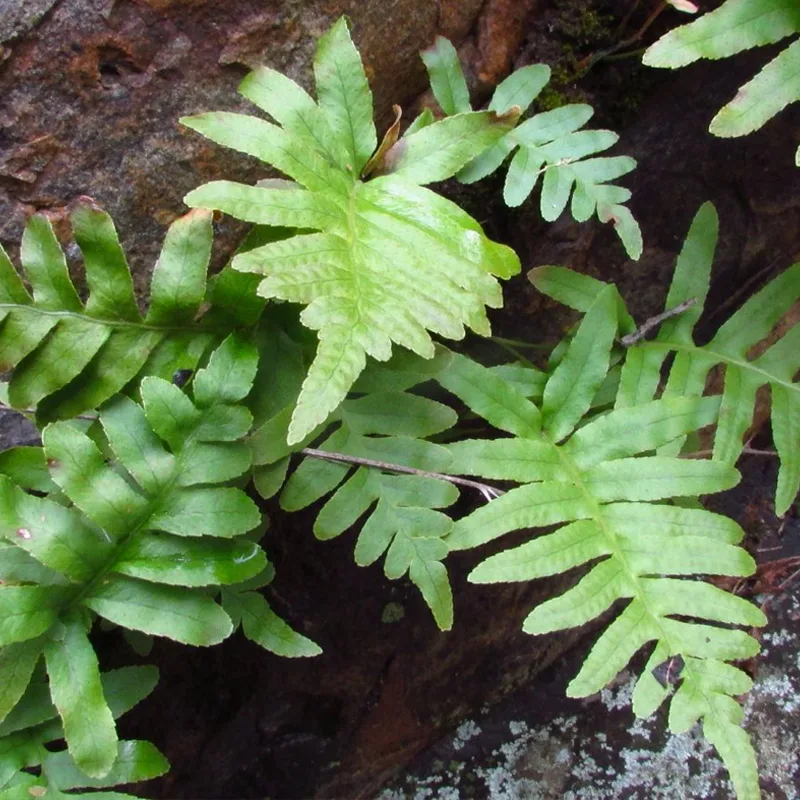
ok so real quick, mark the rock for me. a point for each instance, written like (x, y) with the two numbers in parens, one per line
(92, 91)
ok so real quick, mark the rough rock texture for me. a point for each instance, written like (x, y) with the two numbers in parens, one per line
(91, 91)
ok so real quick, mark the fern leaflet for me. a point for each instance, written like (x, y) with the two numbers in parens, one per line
(33, 724)
(548, 144)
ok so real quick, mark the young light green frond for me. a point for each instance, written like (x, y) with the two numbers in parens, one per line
(447, 80)
(68, 358)
(363, 277)
(391, 261)
(344, 94)
(602, 482)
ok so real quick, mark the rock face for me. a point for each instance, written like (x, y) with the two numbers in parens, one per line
(92, 90)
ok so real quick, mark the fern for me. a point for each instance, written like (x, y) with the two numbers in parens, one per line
(391, 260)
(599, 478)
(70, 356)
(549, 144)
(776, 366)
(139, 543)
(735, 26)
(33, 724)
(386, 424)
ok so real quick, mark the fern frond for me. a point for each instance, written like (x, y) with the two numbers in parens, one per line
(599, 483)
(549, 144)
(69, 356)
(730, 347)
(391, 260)
(140, 542)
(33, 724)
(735, 26)
(390, 425)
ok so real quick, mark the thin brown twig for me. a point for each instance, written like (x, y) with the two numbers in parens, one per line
(31, 412)
(488, 492)
(642, 331)
(747, 451)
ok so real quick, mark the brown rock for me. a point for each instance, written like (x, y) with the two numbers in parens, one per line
(92, 90)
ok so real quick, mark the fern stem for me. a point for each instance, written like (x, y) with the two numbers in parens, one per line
(501, 340)
(488, 492)
(746, 451)
(652, 322)
(30, 413)
(117, 323)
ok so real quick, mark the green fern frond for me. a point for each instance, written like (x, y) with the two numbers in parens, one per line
(549, 144)
(776, 366)
(735, 26)
(390, 260)
(139, 542)
(69, 356)
(600, 484)
(385, 425)
(33, 724)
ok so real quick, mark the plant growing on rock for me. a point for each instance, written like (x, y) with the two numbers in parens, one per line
(134, 510)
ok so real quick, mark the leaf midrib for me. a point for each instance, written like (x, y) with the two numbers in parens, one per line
(116, 323)
(153, 505)
(575, 477)
(720, 358)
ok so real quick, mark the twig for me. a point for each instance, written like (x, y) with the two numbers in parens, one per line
(31, 412)
(746, 451)
(642, 331)
(488, 492)
(520, 344)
